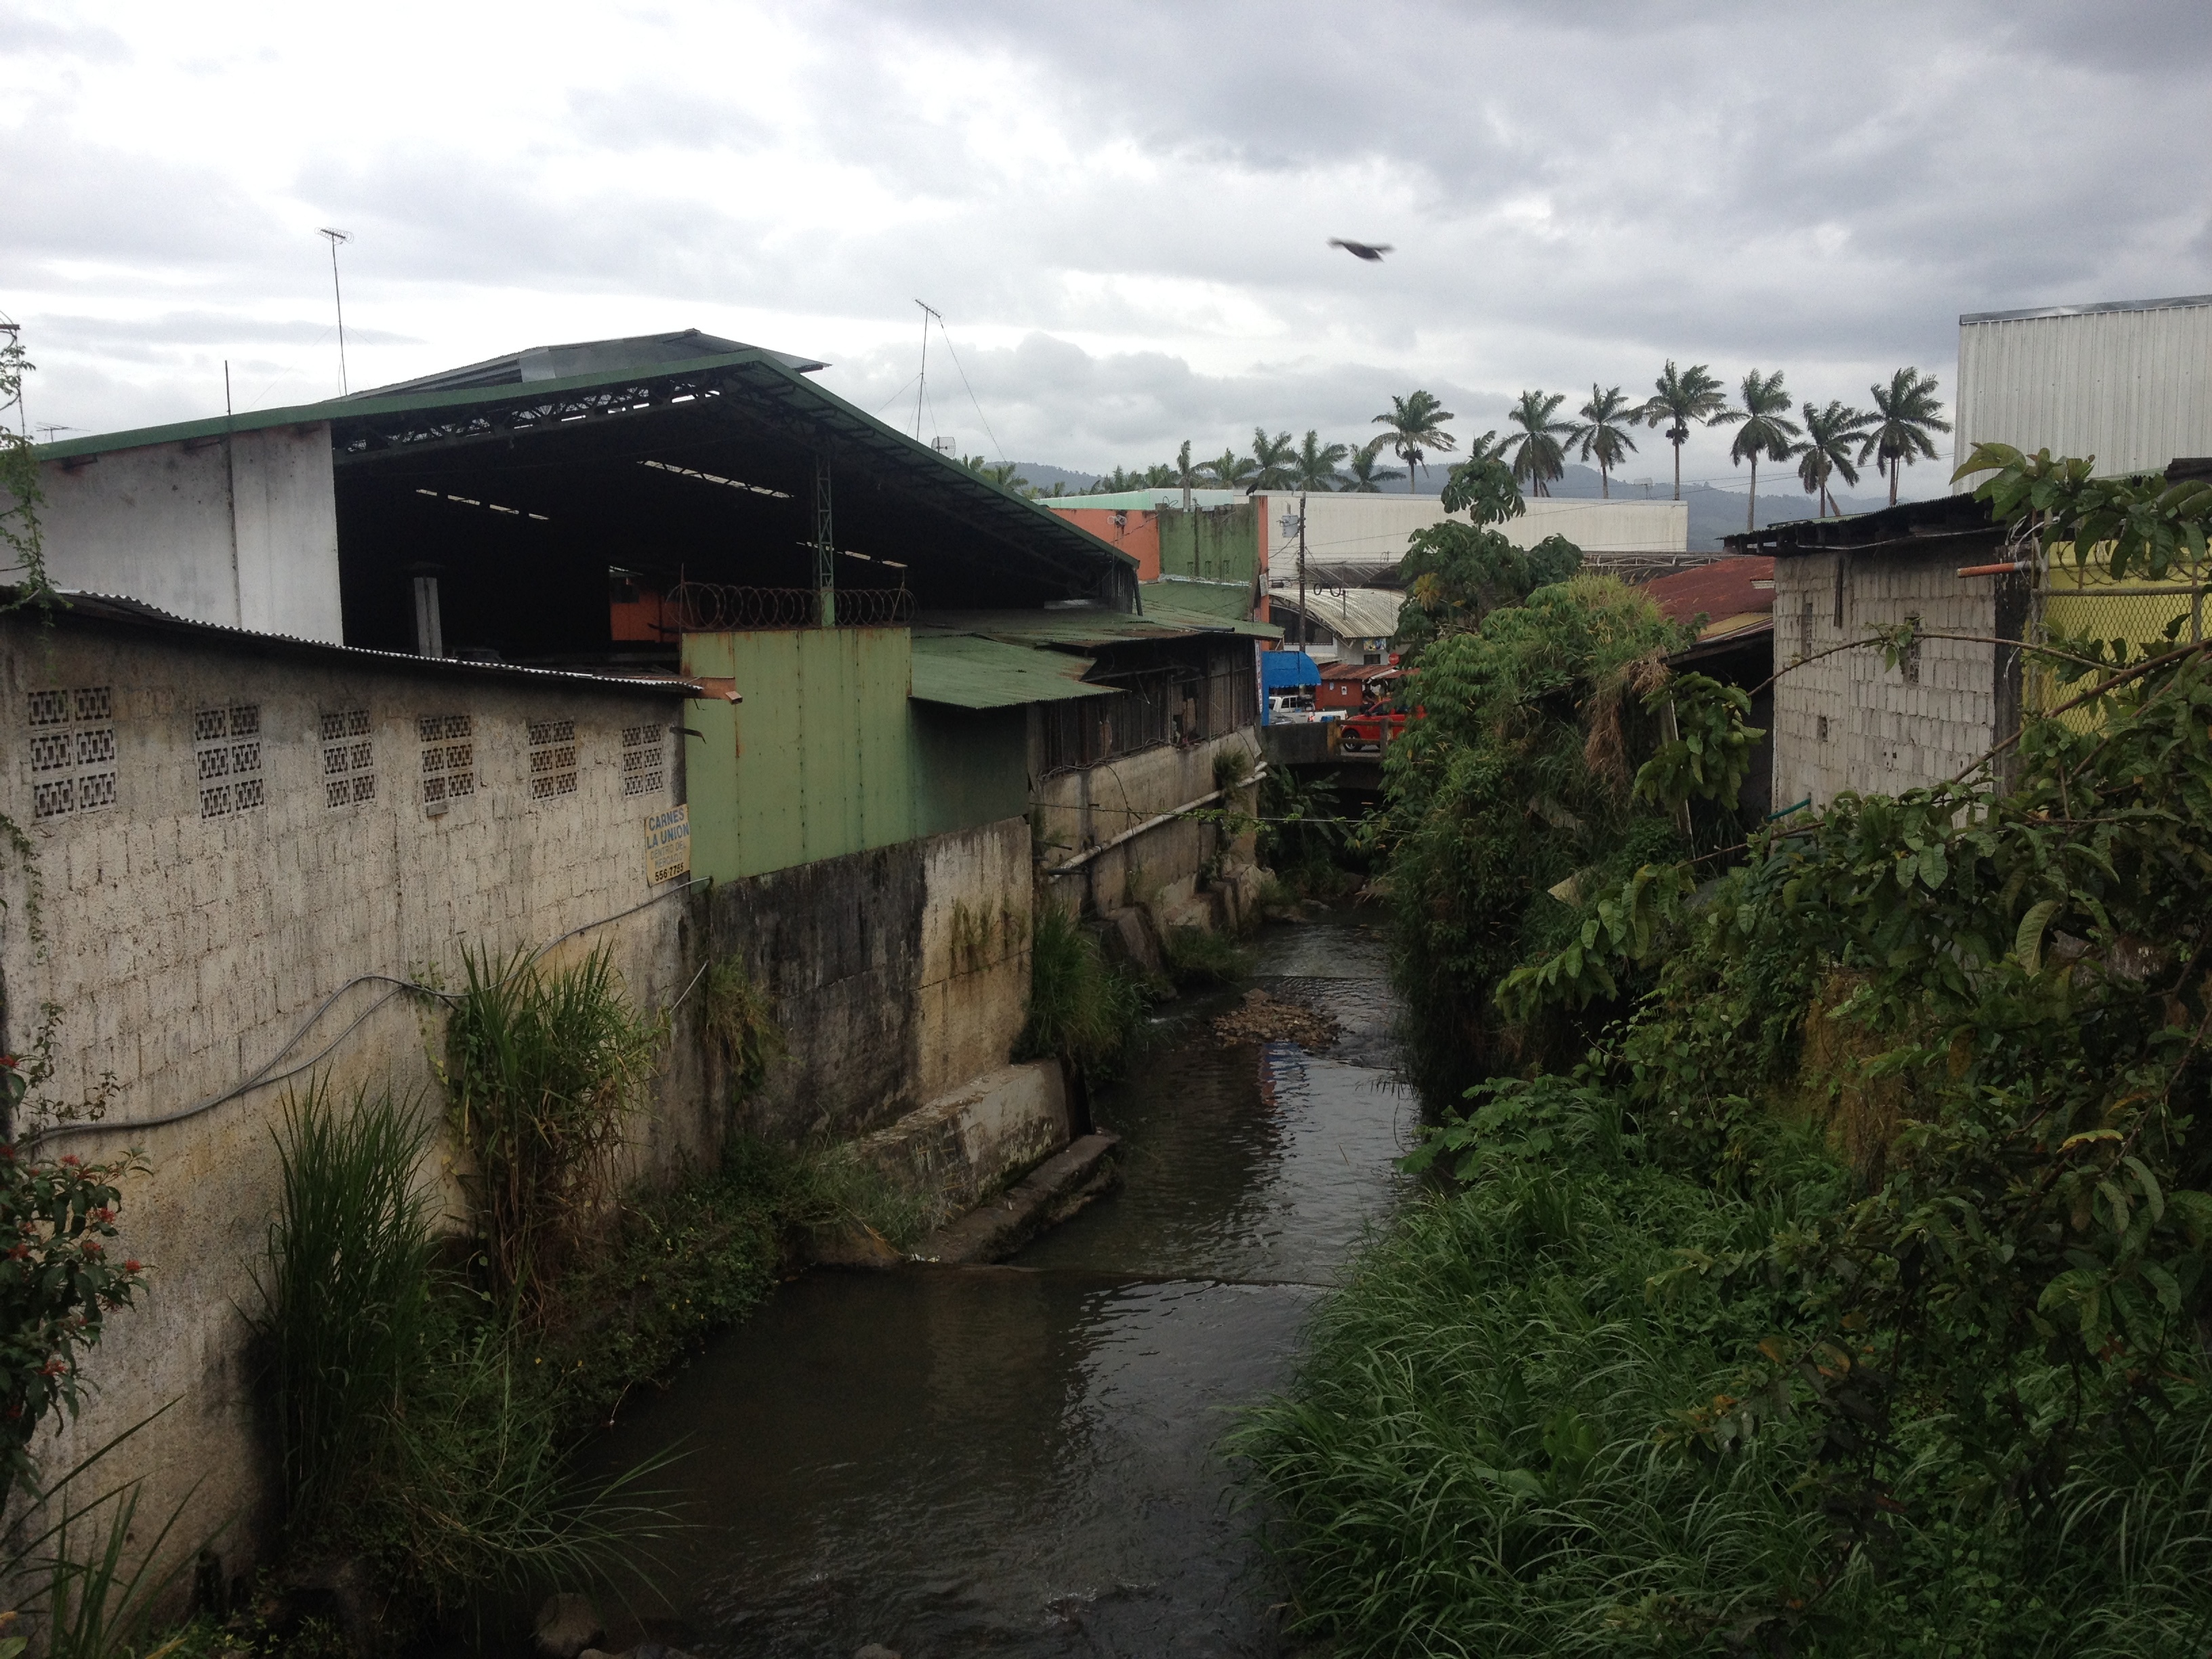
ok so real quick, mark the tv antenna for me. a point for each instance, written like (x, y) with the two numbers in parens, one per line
(922, 383)
(339, 295)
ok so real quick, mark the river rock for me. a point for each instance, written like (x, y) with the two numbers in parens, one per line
(566, 1625)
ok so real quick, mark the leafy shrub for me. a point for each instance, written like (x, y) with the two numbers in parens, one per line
(1199, 955)
(346, 1298)
(542, 1070)
(740, 1024)
(59, 1283)
(406, 1428)
(1900, 1131)
(1081, 1008)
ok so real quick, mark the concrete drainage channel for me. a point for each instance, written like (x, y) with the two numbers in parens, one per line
(1025, 1459)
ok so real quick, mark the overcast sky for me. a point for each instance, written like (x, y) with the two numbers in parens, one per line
(1122, 211)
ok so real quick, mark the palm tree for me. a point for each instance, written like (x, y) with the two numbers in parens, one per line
(1160, 475)
(1537, 457)
(1601, 436)
(1314, 465)
(1231, 470)
(1904, 415)
(1826, 454)
(1765, 430)
(1362, 476)
(1003, 475)
(1682, 398)
(1417, 428)
(1185, 475)
(1273, 458)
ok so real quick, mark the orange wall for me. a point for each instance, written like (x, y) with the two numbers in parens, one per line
(1138, 535)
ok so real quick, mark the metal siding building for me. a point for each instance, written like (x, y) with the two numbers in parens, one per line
(2129, 382)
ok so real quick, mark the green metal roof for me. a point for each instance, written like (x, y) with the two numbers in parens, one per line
(969, 672)
(401, 418)
(1183, 616)
(1083, 626)
(1229, 602)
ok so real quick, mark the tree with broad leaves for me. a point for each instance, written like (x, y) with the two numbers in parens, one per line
(1602, 436)
(1273, 460)
(1762, 428)
(1537, 456)
(1680, 399)
(1417, 429)
(1188, 475)
(1362, 476)
(1831, 435)
(1905, 412)
(1314, 467)
(1231, 470)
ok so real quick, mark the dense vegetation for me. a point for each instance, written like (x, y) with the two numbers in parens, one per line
(1845, 1292)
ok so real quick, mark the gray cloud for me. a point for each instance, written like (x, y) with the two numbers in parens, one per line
(1132, 204)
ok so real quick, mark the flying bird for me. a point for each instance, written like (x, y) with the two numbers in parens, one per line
(1372, 252)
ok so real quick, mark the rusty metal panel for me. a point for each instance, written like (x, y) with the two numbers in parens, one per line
(815, 763)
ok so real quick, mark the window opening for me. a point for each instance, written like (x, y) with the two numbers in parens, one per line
(227, 753)
(349, 760)
(72, 751)
(552, 758)
(449, 758)
(644, 759)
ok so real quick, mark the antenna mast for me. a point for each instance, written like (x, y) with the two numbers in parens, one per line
(336, 237)
(922, 385)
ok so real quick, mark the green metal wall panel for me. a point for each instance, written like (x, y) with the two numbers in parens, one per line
(819, 759)
(970, 767)
(1215, 544)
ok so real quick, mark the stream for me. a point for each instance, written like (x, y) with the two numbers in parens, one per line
(1021, 1459)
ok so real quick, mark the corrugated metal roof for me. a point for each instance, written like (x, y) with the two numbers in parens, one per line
(1231, 601)
(1087, 625)
(366, 427)
(1146, 500)
(969, 672)
(2084, 310)
(626, 355)
(1721, 590)
(1358, 613)
(119, 610)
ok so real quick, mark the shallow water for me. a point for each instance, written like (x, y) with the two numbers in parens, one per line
(1021, 1459)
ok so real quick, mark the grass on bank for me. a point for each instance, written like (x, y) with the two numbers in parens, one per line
(1501, 1440)
(1082, 1008)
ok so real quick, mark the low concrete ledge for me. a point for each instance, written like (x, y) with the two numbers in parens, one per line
(1051, 1192)
(966, 1142)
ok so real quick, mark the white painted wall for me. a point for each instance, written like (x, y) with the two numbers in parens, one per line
(242, 532)
(2132, 387)
(1377, 526)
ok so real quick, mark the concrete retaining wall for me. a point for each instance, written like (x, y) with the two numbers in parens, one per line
(186, 947)
(1159, 869)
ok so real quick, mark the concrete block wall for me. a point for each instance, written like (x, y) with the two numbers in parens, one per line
(185, 951)
(1847, 721)
(894, 973)
(1087, 806)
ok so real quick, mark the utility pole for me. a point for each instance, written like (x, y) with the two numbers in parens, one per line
(1297, 525)
(922, 384)
(825, 556)
(336, 237)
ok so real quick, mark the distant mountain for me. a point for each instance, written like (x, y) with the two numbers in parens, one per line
(1042, 477)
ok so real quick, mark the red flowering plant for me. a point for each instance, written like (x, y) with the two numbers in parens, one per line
(58, 1282)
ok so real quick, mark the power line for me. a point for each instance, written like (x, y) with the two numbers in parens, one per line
(972, 398)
